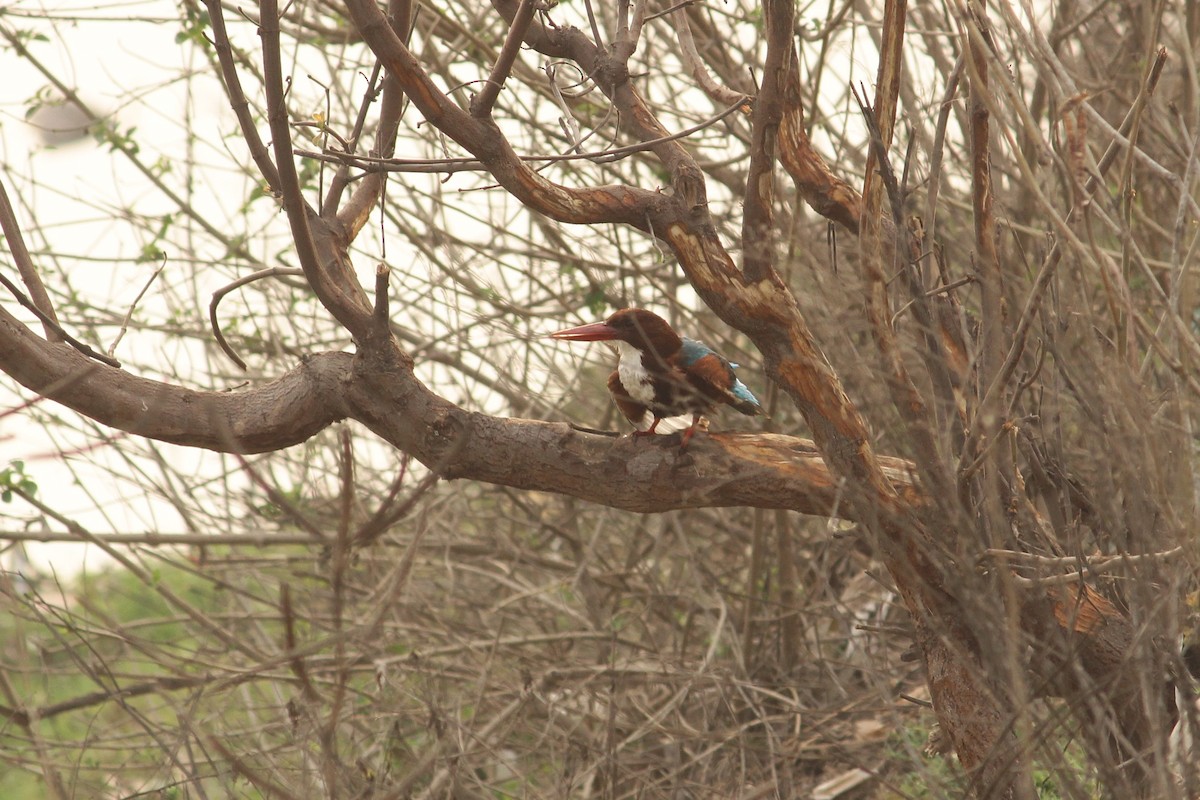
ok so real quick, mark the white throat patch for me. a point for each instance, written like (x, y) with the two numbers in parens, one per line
(633, 373)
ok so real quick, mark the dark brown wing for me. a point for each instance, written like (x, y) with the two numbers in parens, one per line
(674, 393)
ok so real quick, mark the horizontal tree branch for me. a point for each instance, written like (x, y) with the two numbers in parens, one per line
(378, 389)
(643, 474)
(284, 412)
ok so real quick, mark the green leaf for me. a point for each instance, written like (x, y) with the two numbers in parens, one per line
(595, 300)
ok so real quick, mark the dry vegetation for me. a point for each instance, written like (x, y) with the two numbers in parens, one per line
(401, 575)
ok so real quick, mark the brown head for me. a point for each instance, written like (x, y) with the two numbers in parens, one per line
(640, 328)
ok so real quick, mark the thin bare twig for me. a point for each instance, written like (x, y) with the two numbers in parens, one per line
(48, 321)
(219, 294)
(112, 348)
(1088, 568)
(1088, 564)
(448, 165)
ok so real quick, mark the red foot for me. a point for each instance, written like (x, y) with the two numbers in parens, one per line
(649, 431)
(690, 432)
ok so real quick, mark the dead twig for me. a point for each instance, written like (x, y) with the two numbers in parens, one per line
(219, 294)
(112, 348)
(49, 322)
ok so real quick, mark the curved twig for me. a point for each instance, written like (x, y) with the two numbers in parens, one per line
(219, 294)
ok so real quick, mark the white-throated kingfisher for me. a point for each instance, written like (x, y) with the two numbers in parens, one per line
(662, 374)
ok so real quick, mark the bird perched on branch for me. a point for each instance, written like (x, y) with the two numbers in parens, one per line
(661, 374)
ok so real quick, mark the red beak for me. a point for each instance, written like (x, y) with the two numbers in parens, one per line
(596, 332)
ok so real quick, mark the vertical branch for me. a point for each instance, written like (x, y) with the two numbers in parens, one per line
(339, 566)
(354, 215)
(346, 304)
(755, 592)
(992, 496)
(993, 493)
(758, 221)
(881, 259)
(790, 629)
(993, 307)
(906, 397)
(281, 138)
(829, 195)
(887, 92)
(237, 96)
(967, 707)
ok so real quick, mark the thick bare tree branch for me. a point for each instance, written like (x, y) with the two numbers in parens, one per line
(279, 414)
(758, 221)
(381, 391)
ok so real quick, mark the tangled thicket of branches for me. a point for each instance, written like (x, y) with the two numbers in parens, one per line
(953, 244)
